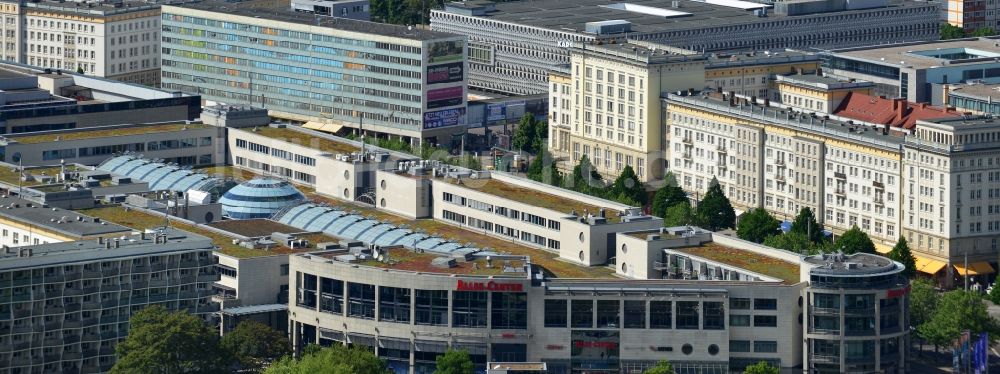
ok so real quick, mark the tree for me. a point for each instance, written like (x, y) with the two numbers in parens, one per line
(335, 359)
(901, 253)
(677, 215)
(255, 345)
(854, 241)
(79, 70)
(524, 133)
(662, 367)
(585, 176)
(792, 241)
(805, 223)
(628, 184)
(956, 311)
(923, 301)
(714, 210)
(994, 294)
(666, 197)
(541, 135)
(543, 169)
(949, 31)
(163, 342)
(757, 225)
(761, 368)
(983, 31)
(454, 362)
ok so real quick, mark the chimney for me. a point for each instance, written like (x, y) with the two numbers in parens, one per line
(899, 105)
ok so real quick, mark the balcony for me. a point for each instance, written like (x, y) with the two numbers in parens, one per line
(780, 163)
(878, 185)
(779, 178)
(686, 155)
(879, 201)
(839, 175)
(721, 148)
(687, 141)
(815, 310)
(840, 191)
(825, 359)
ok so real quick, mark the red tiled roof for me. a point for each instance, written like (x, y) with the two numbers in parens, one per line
(892, 112)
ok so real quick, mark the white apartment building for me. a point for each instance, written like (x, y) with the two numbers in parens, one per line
(114, 40)
(11, 25)
(614, 110)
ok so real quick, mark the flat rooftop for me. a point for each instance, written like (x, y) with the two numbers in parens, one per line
(56, 220)
(253, 227)
(535, 197)
(757, 58)
(141, 220)
(857, 263)
(286, 14)
(747, 260)
(924, 55)
(408, 260)
(76, 252)
(11, 177)
(979, 91)
(104, 132)
(572, 16)
(780, 116)
(304, 139)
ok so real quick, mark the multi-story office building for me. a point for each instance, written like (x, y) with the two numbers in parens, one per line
(855, 174)
(974, 98)
(24, 223)
(185, 143)
(916, 71)
(753, 73)
(514, 45)
(615, 114)
(387, 79)
(115, 40)
(66, 305)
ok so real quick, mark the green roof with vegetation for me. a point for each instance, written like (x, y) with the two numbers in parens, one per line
(92, 133)
(757, 263)
(534, 197)
(304, 139)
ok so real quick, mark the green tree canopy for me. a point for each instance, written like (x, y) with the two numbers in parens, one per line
(757, 225)
(454, 362)
(956, 311)
(854, 241)
(805, 223)
(662, 367)
(336, 359)
(678, 215)
(714, 210)
(994, 295)
(628, 184)
(525, 133)
(163, 342)
(668, 196)
(949, 31)
(983, 31)
(255, 345)
(543, 169)
(585, 177)
(761, 368)
(792, 241)
(923, 301)
(541, 136)
(901, 252)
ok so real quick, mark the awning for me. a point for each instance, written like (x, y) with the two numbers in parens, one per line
(361, 339)
(331, 334)
(325, 127)
(882, 248)
(401, 344)
(929, 265)
(430, 346)
(472, 348)
(975, 268)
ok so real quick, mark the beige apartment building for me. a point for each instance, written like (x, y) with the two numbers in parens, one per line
(608, 106)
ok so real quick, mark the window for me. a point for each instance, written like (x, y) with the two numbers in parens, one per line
(361, 300)
(582, 313)
(660, 314)
(740, 320)
(331, 296)
(608, 313)
(715, 315)
(764, 346)
(394, 304)
(738, 303)
(739, 346)
(432, 307)
(765, 321)
(635, 314)
(687, 315)
(555, 313)
(469, 309)
(510, 310)
(765, 304)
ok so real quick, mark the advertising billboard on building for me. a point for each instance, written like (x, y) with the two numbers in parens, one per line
(446, 73)
(442, 97)
(445, 51)
(443, 118)
(496, 112)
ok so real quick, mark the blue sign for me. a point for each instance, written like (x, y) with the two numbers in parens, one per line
(443, 118)
(496, 112)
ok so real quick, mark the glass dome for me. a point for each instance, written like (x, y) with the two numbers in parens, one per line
(259, 198)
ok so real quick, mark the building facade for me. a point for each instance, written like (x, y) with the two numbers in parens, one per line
(67, 305)
(614, 116)
(381, 79)
(513, 45)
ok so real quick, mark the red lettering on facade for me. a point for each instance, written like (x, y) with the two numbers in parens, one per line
(489, 286)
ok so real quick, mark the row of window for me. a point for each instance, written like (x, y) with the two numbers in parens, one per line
(632, 314)
(502, 211)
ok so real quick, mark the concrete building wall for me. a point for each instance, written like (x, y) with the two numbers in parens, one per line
(403, 194)
(261, 281)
